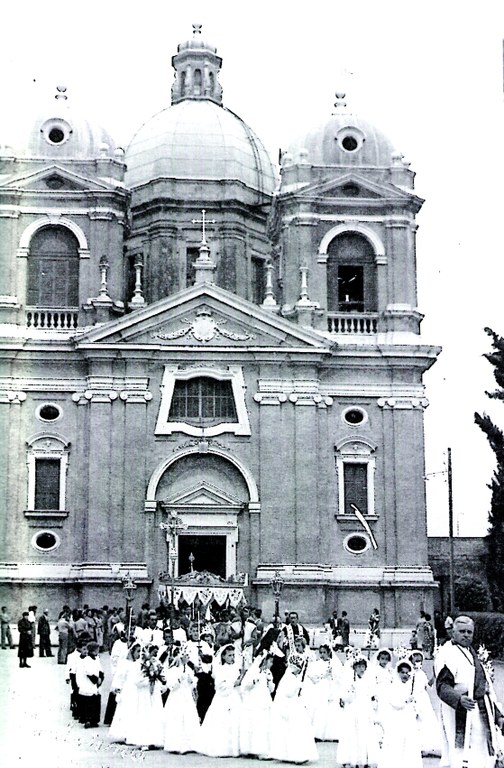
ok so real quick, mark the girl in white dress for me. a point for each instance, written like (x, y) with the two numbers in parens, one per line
(292, 738)
(148, 728)
(219, 734)
(325, 674)
(358, 745)
(255, 723)
(181, 720)
(126, 696)
(401, 743)
(382, 674)
(428, 724)
(303, 652)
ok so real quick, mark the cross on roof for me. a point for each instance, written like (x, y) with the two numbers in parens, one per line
(203, 221)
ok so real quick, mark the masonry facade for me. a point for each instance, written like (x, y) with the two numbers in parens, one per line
(188, 341)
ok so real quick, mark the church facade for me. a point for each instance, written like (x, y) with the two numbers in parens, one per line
(206, 367)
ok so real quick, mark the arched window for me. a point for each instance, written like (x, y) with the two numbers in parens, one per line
(197, 82)
(351, 274)
(53, 269)
(183, 83)
(203, 400)
(211, 83)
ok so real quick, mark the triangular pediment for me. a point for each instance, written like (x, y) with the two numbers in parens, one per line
(203, 317)
(55, 178)
(354, 186)
(202, 495)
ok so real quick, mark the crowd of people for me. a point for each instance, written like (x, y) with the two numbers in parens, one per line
(231, 685)
(234, 686)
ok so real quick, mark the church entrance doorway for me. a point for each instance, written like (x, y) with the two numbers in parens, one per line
(209, 553)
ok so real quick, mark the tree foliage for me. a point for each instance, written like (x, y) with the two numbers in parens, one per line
(471, 594)
(495, 436)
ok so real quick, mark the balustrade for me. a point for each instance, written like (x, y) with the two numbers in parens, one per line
(54, 318)
(346, 322)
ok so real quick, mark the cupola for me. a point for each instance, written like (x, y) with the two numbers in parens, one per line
(197, 68)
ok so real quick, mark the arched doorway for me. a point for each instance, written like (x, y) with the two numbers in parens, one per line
(207, 494)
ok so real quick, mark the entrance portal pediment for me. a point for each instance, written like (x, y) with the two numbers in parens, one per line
(202, 495)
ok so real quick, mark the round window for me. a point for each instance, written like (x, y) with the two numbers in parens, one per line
(49, 412)
(56, 135)
(356, 543)
(350, 143)
(354, 416)
(56, 130)
(45, 541)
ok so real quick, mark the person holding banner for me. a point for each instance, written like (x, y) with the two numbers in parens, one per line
(469, 713)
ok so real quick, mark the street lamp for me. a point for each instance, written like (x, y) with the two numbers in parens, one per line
(276, 587)
(129, 587)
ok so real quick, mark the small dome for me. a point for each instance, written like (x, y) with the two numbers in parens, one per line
(196, 41)
(199, 140)
(344, 140)
(59, 132)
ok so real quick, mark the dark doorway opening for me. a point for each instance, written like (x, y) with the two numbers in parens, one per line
(209, 554)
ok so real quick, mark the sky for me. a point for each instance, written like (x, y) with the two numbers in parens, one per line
(428, 74)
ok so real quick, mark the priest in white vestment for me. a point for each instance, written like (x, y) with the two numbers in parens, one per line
(469, 712)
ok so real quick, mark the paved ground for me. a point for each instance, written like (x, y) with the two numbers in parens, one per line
(36, 727)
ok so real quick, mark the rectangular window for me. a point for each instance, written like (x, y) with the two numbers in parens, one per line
(47, 484)
(191, 255)
(350, 288)
(356, 487)
(258, 280)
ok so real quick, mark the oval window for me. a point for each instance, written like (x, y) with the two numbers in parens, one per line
(356, 543)
(49, 412)
(354, 416)
(45, 541)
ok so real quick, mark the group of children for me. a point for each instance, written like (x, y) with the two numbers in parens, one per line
(188, 698)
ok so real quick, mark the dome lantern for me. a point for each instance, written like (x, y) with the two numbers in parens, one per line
(197, 68)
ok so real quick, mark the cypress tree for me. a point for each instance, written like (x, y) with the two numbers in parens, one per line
(495, 436)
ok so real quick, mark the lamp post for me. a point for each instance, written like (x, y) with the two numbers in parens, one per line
(129, 587)
(276, 588)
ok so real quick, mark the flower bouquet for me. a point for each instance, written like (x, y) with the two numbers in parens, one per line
(152, 669)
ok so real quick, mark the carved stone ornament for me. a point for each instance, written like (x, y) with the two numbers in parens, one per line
(203, 328)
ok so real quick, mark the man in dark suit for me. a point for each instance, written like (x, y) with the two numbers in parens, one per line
(44, 633)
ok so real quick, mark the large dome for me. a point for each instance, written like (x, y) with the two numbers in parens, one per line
(55, 130)
(199, 140)
(345, 139)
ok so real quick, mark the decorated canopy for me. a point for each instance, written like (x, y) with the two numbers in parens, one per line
(205, 586)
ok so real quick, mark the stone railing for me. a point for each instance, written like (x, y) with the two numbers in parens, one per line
(348, 322)
(54, 318)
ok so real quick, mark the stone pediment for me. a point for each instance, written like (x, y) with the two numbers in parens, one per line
(202, 495)
(55, 179)
(353, 187)
(203, 316)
